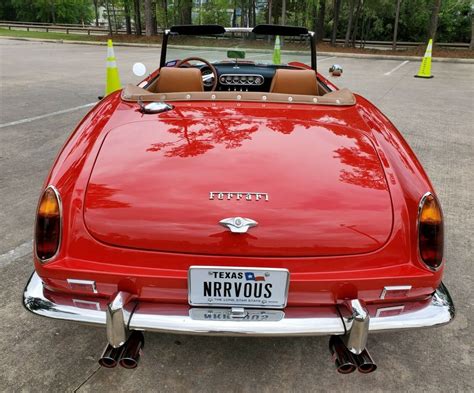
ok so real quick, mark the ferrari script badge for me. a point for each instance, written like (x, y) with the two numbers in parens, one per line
(246, 196)
(238, 224)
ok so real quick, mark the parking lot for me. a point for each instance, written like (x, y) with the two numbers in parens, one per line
(46, 88)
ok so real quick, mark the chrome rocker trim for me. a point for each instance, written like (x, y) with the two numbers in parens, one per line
(298, 321)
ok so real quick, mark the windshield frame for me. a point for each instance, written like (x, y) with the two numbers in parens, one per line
(311, 35)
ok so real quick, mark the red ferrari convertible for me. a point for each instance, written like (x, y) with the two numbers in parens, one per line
(239, 193)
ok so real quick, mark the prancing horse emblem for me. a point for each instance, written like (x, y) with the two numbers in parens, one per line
(238, 224)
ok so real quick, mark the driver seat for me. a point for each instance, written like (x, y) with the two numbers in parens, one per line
(178, 80)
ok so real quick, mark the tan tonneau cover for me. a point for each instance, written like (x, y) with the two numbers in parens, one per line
(339, 97)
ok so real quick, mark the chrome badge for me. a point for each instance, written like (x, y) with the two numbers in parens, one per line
(238, 224)
(247, 196)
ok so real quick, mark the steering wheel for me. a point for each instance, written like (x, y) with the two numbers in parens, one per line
(182, 63)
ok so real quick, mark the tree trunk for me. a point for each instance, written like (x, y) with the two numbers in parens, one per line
(148, 18)
(270, 12)
(335, 20)
(109, 21)
(320, 21)
(434, 19)
(53, 12)
(283, 12)
(471, 45)
(234, 15)
(395, 27)
(115, 17)
(360, 3)
(349, 23)
(138, 18)
(96, 12)
(128, 21)
(187, 11)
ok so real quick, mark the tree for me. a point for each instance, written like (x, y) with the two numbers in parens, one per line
(336, 7)
(270, 11)
(395, 28)
(320, 21)
(138, 19)
(434, 19)
(471, 45)
(283, 12)
(96, 12)
(148, 18)
(349, 24)
(186, 11)
(128, 21)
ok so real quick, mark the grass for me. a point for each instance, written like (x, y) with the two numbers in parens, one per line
(43, 35)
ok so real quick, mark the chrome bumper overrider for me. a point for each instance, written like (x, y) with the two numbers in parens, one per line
(327, 320)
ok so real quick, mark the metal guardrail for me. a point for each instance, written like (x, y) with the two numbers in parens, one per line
(68, 28)
(457, 45)
(59, 28)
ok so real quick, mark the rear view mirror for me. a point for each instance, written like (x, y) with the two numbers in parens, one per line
(236, 54)
(335, 70)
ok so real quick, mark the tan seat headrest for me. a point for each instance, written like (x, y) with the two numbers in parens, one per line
(177, 80)
(295, 82)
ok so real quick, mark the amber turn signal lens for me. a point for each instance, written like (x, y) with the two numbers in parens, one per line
(48, 225)
(431, 232)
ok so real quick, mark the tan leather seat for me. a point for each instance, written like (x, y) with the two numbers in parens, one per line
(176, 80)
(295, 82)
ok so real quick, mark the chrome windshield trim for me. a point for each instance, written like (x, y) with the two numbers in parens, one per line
(306, 321)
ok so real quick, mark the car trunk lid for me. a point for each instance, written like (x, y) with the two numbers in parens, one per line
(313, 188)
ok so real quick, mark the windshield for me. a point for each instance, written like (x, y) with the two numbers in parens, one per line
(241, 47)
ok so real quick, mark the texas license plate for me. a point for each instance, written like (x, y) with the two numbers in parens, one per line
(244, 287)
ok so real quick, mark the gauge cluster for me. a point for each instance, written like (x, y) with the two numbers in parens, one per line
(241, 79)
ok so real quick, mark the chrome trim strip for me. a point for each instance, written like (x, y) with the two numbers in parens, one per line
(82, 282)
(176, 319)
(58, 197)
(394, 288)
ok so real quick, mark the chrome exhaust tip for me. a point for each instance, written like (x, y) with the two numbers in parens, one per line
(365, 363)
(132, 350)
(343, 358)
(110, 356)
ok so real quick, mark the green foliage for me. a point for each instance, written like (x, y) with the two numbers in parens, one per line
(57, 11)
(215, 12)
(375, 22)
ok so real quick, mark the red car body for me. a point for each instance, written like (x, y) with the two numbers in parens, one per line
(342, 215)
(342, 180)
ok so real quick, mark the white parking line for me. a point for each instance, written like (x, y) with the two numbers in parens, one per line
(30, 119)
(327, 58)
(18, 252)
(397, 67)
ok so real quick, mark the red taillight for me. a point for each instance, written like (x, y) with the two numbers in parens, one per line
(430, 232)
(48, 225)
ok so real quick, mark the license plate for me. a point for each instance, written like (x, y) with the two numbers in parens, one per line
(245, 287)
(222, 314)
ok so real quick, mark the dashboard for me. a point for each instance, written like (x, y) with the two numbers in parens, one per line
(240, 76)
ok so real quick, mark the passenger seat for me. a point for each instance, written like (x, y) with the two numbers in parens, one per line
(178, 80)
(302, 82)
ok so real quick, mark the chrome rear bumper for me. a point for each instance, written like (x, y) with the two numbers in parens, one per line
(297, 321)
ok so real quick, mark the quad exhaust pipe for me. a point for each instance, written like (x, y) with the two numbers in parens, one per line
(347, 362)
(128, 355)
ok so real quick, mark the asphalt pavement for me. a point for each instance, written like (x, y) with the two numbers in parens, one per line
(44, 91)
